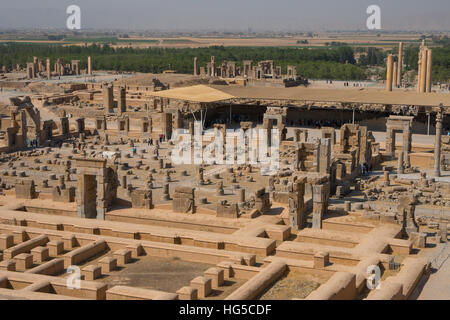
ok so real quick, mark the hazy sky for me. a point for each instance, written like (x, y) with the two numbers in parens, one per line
(260, 15)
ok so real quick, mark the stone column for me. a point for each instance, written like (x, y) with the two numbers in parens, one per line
(89, 66)
(400, 168)
(213, 66)
(165, 196)
(437, 144)
(400, 64)
(429, 68)
(389, 73)
(195, 66)
(320, 204)
(394, 75)
(419, 68)
(423, 71)
(406, 147)
(36, 66)
(49, 71)
(390, 142)
(241, 196)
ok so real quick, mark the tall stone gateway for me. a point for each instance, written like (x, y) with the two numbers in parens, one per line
(97, 188)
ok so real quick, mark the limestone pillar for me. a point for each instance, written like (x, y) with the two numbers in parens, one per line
(241, 196)
(389, 73)
(195, 66)
(89, 66)
(390, 142)
(400, 64)
(400, 168)
(213, 66)
(49, 71)
(423, 71)
(419, 68)
(437, 144)
(36, 66)
(429, 68)
(406, 147)
(394, 75)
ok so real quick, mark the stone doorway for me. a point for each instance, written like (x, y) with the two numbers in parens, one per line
(90, 191)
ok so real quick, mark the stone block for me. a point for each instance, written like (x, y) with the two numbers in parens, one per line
(91, 272)
(216, 275)
(55, 248)
(203, 286)
(187, 293)
(23, 261)
(123, 256)
(8, 265)
(40, 254)
(6, 241)
(108, 264)
(321, 260)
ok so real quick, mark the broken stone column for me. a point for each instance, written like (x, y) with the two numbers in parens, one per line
(406, 147)
(61, 183)
(387, 180)
(324, 156)
(200, 176)
(320, 204)
(347, 206)
(390, 142)
(297, 209)
(219, 189)
(241, 196)
(406, 210)
(30, 70)
(400, 166)
(394, 74)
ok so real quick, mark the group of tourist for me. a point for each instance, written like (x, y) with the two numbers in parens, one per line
(33, 143)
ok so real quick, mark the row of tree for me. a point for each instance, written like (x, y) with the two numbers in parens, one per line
(314, 63)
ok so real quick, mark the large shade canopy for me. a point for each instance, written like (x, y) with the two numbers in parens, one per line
(199, 93)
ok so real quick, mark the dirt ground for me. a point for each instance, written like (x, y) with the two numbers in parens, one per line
(292, 285)
(165, 274)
